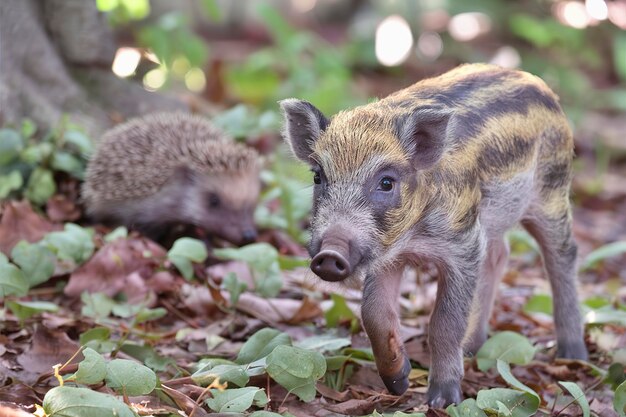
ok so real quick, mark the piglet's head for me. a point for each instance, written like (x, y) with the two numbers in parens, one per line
(364, 164)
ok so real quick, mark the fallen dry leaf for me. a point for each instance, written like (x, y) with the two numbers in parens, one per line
(61, 209)
(119, 266)
(47, 349)
(20, 222)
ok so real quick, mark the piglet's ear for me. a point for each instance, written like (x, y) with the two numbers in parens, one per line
(304, 124)
(423, 134)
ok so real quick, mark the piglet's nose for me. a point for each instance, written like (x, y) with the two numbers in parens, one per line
(330, 266)
(249, 236)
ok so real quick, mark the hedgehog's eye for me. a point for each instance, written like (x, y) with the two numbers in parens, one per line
(317, 178)
(386, 184)
(214, 200)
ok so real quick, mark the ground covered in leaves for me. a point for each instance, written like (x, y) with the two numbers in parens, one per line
(122, 323)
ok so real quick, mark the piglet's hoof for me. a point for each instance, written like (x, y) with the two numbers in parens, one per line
(441, 395)
(398, 384)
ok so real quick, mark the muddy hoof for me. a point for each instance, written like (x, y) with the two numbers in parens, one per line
(398, 383)
(440, 395)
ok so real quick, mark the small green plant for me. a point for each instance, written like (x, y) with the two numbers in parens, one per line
(299, 64)
(519, 400)
(262, 259)
(126, 377)
(184, 252)
(34, 263)
(28, 162)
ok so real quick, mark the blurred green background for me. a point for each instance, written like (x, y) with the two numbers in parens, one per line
(341, 53)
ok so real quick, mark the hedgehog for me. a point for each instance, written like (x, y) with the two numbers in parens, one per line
(159, 172)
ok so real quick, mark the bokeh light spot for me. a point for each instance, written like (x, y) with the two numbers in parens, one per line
(394, 41)
(195, 80)
(467, 26)
(154, 79)
(597, 9)
(429, 45)
(125, 61)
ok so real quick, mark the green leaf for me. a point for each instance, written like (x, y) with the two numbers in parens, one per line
(466, 409)
(269, 283)
(73, 243)
(292, 262)
(365, 354)
(79, 141)
(192, 249)
(578, 394)
(507, 402)
(226, 373)
(36, 154)
(92, 369)
(521, 241)
(505, 372)
(40, 186)
(80, 402)
(184, 265)
(296, 369)
(281, 31)
(28, 128)
(149, 314)
(147, 355)
(234, 287)
(324, 343)
(602, 253)
(12, 280)
(604, 315)
(11, 144)
(129, 377)
(509, 346)
(119, 233)
(259, 256)
(401, 414)
(236, 400)
(261, 344)
(616, 374)
(35, 260)
(27, 309)
(340, 312)
(96, 305)
(211, 10)
(263, 413)
(10, 182)
(619, 54)
(98, 340)
(619, 401)
(539, 303)
(66, 162)
(262, 258)
(185, 251)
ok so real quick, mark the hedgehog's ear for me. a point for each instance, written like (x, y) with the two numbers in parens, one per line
(423, 134)
(304, 124)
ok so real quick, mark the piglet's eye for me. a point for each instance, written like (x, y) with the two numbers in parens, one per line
(386, 184)
(317, 178)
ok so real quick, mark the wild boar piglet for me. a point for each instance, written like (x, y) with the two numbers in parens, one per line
(440, 171)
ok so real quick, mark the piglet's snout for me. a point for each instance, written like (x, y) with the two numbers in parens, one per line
(336, 259)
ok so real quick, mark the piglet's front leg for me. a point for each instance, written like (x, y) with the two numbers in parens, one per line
(380, 319)
(448, 325)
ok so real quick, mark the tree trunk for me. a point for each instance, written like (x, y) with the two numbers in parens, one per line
(55, 59)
